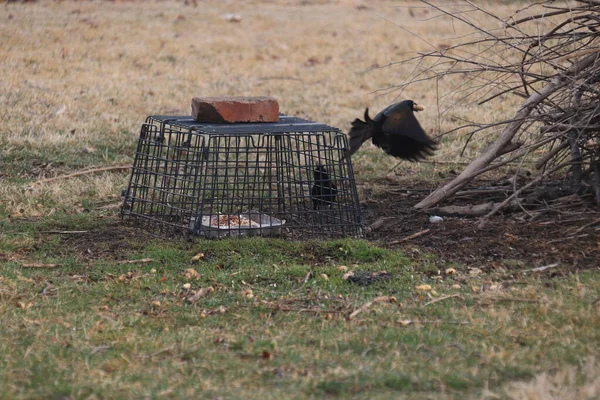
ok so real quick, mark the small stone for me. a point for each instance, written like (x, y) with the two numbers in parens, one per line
(434, 219)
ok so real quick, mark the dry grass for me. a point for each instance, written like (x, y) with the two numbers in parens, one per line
(78, 84)
(79, 78)
(566, 384)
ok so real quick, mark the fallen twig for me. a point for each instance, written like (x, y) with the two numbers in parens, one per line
(550, 155)
(79, 173)
(411, 322)
(165, 350)
(65, 232)
(464, 211)
(308, 310)
(516, 193)
(414, 235)
(110, 206)
(562, 239)
(285, 78)
(306, 279)
(38, 265)
(376, 225)
(202, 292)
(368, 305)
(440, 299)
(140, 261)
(540, 269)
(484, 191)
(510, 299)
(594, 222)
(510, 130)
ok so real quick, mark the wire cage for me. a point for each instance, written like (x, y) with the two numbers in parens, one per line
(285, 178)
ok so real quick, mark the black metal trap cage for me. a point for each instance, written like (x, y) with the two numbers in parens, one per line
(216, 179)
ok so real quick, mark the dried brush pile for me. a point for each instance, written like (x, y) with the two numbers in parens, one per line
(548, 55)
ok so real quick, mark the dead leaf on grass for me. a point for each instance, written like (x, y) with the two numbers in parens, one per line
(198, 257)
(424, 288)
(191, 273)
(213, 311)
(24, 306)
(129, 276)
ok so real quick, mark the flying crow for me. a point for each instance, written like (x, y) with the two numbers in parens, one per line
(395, 130)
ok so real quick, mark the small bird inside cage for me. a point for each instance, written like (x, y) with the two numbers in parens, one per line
(323, 191)
(395, 130)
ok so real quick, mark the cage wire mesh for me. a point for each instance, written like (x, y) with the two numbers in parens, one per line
(214, 180)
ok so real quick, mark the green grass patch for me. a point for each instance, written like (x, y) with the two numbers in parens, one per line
(277, 322)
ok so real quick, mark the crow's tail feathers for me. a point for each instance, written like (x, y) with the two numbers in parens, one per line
(361, 132)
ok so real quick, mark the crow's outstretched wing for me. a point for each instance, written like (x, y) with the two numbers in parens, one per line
(402, 136)
(361, 132)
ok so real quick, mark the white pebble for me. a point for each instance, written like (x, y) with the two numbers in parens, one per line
(434, 219)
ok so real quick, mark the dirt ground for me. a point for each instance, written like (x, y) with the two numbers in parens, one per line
(509, 242)
(567, 236)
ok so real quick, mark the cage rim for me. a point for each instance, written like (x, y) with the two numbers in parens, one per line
(286, 124)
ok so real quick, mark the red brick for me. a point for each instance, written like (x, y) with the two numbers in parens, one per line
(235, 109)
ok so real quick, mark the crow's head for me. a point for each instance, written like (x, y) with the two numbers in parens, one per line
(409, 105)
(320, 173)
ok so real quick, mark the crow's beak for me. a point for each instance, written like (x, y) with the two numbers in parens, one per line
(418, 107)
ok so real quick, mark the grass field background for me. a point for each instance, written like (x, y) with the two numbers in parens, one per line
(78, 80)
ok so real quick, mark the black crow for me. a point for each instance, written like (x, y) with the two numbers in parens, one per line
(323, 191)
(395, 130)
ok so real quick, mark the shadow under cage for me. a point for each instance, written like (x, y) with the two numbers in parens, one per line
(283, 178)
